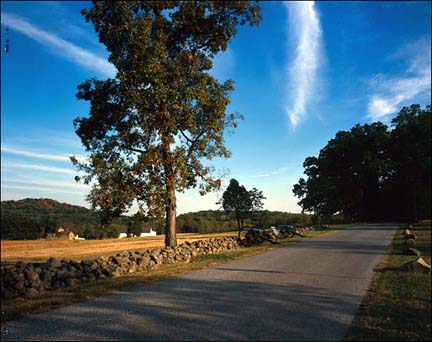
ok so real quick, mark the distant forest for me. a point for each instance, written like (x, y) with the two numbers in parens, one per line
(35, 218)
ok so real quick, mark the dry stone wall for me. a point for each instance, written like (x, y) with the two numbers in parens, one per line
(28, 279)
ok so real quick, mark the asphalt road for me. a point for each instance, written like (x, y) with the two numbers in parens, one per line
(307, 291)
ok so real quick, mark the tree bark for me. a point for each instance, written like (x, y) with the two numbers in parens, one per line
(238, 225)
(171, 205)
(170, 223)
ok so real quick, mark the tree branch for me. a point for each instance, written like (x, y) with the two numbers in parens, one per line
(133, 149)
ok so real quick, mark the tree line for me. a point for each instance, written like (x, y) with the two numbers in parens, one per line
(27, 220)
(212, 221)
(373, 172)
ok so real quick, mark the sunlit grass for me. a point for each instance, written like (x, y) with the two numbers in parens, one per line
(397, 306)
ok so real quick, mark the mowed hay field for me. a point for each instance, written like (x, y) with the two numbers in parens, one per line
(41, 250)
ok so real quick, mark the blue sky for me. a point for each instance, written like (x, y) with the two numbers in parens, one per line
(309, 70)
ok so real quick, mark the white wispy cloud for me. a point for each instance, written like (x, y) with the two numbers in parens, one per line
(282, 170)
(26, 166)
(306, 37)
(261, 175)
(223, 65)
(40, 155)
(36, 188)
(59, 46)
(32, 154)
(36, 135)
(46, 182)
(390, 93)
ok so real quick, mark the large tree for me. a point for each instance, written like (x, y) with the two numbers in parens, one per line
(240, 202)
(371, 172)
(348, 173)
(151, 127)
(410, 152)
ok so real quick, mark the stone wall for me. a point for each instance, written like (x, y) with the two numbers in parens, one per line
(28, 279)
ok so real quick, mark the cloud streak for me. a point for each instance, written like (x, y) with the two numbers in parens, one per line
(38, 168)
(305, 35)
(59, 46)
(36, 188)
(48, 183)
(34, 154)
(38, 155)
(389, 93)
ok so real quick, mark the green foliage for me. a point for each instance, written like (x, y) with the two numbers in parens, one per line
(371, 173)
(112, 231)
(35, 218)
(20, 227)
(240, 202)
(150, 128)
(410, 153)
(134, 226)
(212, 221)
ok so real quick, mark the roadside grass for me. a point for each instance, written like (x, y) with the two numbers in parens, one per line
(48, 300)
(397, 306)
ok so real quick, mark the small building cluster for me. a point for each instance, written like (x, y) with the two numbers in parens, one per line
(145, 231)
(64, 234)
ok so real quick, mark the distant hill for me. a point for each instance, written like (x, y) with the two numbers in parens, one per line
(32, 203)
(32, 218)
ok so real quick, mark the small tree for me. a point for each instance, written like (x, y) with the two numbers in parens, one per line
(134, 226)
(151, 127)
(238, 201)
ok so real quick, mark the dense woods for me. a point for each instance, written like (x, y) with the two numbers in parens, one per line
(373, 172)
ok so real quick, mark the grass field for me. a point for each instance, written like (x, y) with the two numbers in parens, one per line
(41, 250)
(397, 306)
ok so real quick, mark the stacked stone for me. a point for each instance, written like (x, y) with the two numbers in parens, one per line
(28, 279)
(305, 230)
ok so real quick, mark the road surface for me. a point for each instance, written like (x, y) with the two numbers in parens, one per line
(309, 290)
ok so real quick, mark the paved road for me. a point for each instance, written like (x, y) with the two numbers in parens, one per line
(306, 291)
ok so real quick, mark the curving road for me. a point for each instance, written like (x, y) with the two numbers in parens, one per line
(307, 291)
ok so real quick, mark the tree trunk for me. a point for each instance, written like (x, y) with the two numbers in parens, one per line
(171, 205)
(238, 225)
(170, 223)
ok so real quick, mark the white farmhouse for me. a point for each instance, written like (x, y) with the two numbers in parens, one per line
(150, 233)
(145, 231)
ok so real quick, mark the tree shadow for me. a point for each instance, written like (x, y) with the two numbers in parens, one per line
(198, 309)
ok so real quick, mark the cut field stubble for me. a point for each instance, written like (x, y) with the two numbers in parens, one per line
(41, 250)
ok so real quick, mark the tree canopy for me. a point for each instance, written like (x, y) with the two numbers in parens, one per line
(151, 127)
(371, 172)
(240, 202)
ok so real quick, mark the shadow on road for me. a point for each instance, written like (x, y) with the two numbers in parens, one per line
(197, 310)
